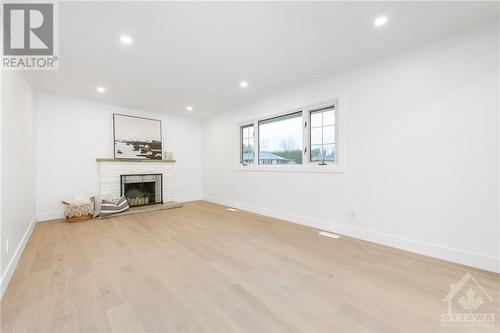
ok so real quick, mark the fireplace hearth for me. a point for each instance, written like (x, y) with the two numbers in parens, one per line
(142, 190)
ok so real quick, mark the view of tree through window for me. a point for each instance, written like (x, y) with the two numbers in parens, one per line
(247, 135)
(280, 140)
(323, 135)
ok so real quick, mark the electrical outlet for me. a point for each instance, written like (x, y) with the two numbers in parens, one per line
(352, 214)
(7, 241)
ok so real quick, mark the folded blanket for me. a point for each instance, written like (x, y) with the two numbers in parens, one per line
(109, 208)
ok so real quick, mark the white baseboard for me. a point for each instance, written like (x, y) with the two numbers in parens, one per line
(189, 198)
(57, 214)
(459, 256)
(11, 266)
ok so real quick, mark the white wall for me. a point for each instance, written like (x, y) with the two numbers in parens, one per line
(17, 169)
(421, 157)
(71, 134)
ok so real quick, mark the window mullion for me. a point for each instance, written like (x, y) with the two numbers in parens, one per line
(256, 142)
(306, 137)
(322, 138)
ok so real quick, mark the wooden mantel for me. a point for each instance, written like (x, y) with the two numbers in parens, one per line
(132, 160)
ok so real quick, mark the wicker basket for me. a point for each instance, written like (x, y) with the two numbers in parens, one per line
(79, 210)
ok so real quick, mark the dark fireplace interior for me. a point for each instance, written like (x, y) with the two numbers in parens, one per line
(142, 190)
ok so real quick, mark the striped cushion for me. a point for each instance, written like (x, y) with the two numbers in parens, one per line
(108, 209)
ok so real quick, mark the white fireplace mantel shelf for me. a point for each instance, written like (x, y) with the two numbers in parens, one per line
(128, 160)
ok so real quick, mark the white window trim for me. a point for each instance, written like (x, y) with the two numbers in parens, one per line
(336, 167)
(240, 146)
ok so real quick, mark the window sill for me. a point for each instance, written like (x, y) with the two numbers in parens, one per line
(308, 168)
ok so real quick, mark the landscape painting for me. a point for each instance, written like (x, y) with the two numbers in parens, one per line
(137, 137)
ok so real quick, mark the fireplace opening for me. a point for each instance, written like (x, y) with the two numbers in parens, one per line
(142, 190)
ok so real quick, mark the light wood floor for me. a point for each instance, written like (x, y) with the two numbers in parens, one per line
(202, 268)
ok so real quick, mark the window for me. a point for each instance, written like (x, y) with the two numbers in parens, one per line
(280, 139)
(247, 142)
(300, 141)
(322, 135)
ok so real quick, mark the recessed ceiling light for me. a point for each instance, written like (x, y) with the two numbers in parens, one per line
(189, 108)
(379, 21)
(125, 39)
(101, 90)
(243, 84)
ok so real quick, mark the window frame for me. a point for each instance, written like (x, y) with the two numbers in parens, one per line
(319, 109)
(337, 166)
(242, 160)
(273, 118)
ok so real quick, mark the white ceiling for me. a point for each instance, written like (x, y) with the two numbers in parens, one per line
(197, 53)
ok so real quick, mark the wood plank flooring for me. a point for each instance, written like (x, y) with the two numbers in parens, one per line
(202, 268)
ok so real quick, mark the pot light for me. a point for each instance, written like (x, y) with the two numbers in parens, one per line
(101, 90)
(125, 39)
(189, 108)
(380, 21)
(243, 84)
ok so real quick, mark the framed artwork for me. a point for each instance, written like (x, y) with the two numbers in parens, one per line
(136, 137)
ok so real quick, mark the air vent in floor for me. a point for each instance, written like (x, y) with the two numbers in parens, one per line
(328, 234)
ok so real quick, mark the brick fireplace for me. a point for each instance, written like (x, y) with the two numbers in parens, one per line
(112, 170)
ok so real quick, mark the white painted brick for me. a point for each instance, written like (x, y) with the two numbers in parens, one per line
(109, 176)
